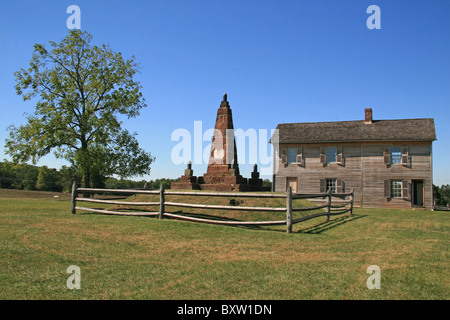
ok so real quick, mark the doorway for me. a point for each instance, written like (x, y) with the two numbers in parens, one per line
(292, 182)
(417, 193)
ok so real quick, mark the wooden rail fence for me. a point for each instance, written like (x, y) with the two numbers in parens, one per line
(329, 207)
(437, 207)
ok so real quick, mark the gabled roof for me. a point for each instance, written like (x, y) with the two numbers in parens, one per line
(353, 131)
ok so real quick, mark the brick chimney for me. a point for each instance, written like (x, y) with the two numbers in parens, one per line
(368, 115)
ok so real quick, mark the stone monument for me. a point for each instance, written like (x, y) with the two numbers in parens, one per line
(222, 173)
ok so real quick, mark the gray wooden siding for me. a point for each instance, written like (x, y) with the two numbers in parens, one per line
(363, 169)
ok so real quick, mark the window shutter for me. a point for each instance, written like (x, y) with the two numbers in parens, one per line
(387, 188)
(323, 156)
(405, 156)
(339, 155)
(283, 155)
(406, 192)
(338, 186)
(323, 186)
(299, 159)
(409, 191)
(387, 156)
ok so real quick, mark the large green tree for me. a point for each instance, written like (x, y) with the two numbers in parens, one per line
(82, 90)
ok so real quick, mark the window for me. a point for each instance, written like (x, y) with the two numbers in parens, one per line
(335, 185)
(396, 155)
(396, 188)
(291, 155)
(331, 184)
(331, 154)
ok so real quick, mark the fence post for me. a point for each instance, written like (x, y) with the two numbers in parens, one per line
(161, 202)
(289, 210)
(74, 196)
(351, 203)
(329, 204)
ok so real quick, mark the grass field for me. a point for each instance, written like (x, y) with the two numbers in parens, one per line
(146, 258)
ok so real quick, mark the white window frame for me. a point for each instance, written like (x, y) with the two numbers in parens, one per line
(396, 189)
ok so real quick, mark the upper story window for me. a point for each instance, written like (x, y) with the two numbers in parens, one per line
(396, 155)
(291, 155)
(331, 153)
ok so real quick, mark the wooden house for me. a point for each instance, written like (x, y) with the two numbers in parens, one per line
(388, 163)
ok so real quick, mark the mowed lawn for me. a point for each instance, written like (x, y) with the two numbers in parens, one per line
(146, 258)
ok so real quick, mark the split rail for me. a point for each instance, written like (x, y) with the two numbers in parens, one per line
(328, 209)
(437, 207)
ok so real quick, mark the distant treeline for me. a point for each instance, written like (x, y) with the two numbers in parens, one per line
(441, 195)
(42, 178)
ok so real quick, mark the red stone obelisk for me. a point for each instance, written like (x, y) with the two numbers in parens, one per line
(223, 168)
(222, 173)
(223, 147)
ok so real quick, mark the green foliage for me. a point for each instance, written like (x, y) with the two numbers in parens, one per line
(267, 183)
(113, 183)
(441, 195)
(6, 174)
(81, 90)
(28, 177)
(18, 176)
(48, 180)
(67, 176)
(156, 184)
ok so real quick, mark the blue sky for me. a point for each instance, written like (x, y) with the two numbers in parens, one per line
(279, 61)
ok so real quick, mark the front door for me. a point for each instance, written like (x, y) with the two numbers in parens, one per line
(417, 193)
(292, 182)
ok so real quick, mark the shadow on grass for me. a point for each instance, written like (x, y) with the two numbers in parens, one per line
(330, 224)
(180, 212)
(202, 216)
(315, 229)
